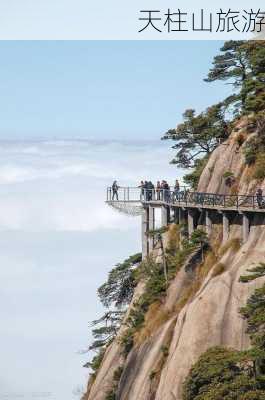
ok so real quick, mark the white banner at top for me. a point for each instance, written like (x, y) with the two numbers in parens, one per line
(131, 20)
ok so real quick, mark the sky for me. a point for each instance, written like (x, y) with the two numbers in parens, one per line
(97, 89)
(74, 116)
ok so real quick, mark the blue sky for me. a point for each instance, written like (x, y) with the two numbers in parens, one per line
(98, 89)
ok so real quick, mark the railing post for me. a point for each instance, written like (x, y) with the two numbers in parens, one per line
(237, 202)
(128, 194)
(224, 200)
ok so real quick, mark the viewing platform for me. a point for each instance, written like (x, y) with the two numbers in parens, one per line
(188, 208)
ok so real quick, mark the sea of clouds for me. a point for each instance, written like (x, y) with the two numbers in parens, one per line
(58, 240)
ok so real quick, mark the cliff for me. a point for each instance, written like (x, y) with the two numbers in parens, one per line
(200, 308)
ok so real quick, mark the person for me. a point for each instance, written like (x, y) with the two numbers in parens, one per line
(166, 191)
(259, 197)
(145, 191)
(142, 189)
(150, 189)
(115, 189)
(176, 190)
(162, 190)
(158, 190)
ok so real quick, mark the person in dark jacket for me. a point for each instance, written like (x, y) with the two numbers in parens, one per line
(115, 189)
(166, 192)
(150, 190)
(176, 190)
(259, 197)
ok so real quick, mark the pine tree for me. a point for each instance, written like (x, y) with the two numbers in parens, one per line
(232, 65)
(198, 135)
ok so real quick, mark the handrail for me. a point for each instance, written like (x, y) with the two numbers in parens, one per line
(185, 196)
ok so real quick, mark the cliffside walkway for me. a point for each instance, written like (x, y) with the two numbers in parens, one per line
(185, 197)
(188, 208)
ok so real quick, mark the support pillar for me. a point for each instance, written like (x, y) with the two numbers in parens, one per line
(181, 223)
(144, 231)
(151, 227)
(164, 216)
(181, 216)
(245, 227)
(176, 215)
(225, 227)
(208, 223)
(190, 223)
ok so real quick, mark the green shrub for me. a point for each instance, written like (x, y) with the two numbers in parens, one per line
(198, 237)
(95, 363)
(192, 179)
(127, 341)
(259, 172)
(252, 148)
(152, 375)
(111, 395)
(250, 155)
(240, 138)
(228, 174)
(165, 350)
(118, 373)
(221, 374)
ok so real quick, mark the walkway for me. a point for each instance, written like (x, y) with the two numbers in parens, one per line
(189, 209)
(185, 198)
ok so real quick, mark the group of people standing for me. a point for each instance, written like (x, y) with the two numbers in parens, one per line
(160, 191)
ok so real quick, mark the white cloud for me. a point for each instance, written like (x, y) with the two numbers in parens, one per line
(61, 186)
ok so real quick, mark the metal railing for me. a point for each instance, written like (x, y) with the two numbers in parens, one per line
(184, 196)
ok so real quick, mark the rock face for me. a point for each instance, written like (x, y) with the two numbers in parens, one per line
(210, 317)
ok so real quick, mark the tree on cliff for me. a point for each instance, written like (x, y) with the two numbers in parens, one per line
(253, 88)
(119, 288)
(241, 64)
(114, 294)
(232, 66)
(198, 135)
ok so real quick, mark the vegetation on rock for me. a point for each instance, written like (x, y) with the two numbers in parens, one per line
(228, 374)
(119, 288)
(115, 294)
(198, 135)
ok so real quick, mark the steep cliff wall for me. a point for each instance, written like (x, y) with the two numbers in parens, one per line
(201, 307)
